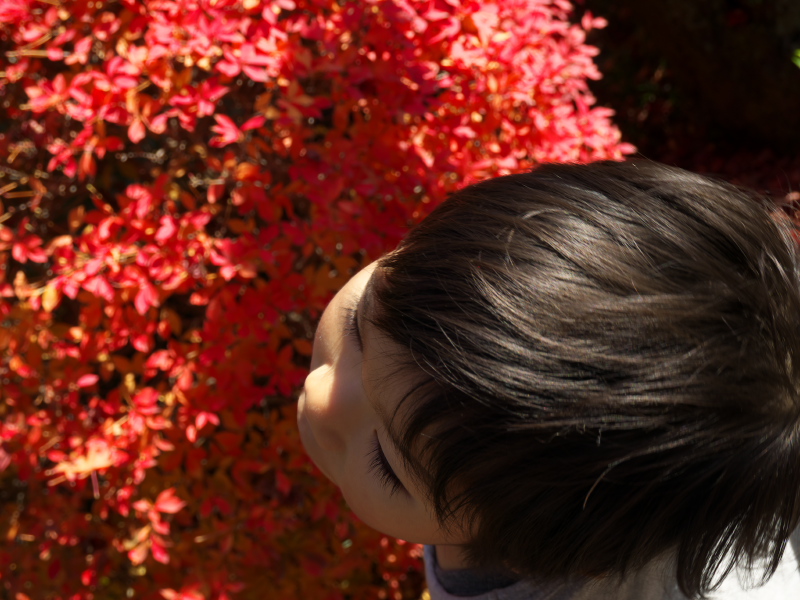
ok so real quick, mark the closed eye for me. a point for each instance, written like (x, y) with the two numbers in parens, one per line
(381, 468)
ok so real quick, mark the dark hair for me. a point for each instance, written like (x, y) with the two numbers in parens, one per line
(610, 356)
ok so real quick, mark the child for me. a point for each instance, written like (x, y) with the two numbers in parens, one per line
(580, 382)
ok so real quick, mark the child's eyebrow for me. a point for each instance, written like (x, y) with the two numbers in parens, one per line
(365, 303)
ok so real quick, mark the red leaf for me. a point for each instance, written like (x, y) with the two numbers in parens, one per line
(227, 130)
(142, 505)
(215, 192)
(206, 417)
(142, 342)
(136, 130)
(168, 502)
(253, 123)
(146, 297)
(167, 230)
(159, 551)
(138, 554)
(100, 287)
(89, 577)
(229, 67)
(87, 166)
(87, 380)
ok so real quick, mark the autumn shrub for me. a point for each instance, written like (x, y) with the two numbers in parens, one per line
(184, 185)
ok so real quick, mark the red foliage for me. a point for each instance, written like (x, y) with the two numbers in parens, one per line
(186, 184)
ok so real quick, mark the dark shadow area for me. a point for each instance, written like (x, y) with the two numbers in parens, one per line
(711, 86)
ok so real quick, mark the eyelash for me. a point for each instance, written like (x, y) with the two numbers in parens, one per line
(381, 468)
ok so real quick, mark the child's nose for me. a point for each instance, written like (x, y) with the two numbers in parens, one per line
(326, 408)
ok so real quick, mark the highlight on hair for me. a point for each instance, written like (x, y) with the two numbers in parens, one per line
(610, 356)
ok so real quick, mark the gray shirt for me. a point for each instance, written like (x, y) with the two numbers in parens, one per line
(653, 583)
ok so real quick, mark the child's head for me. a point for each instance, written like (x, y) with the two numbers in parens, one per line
(573, 371)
